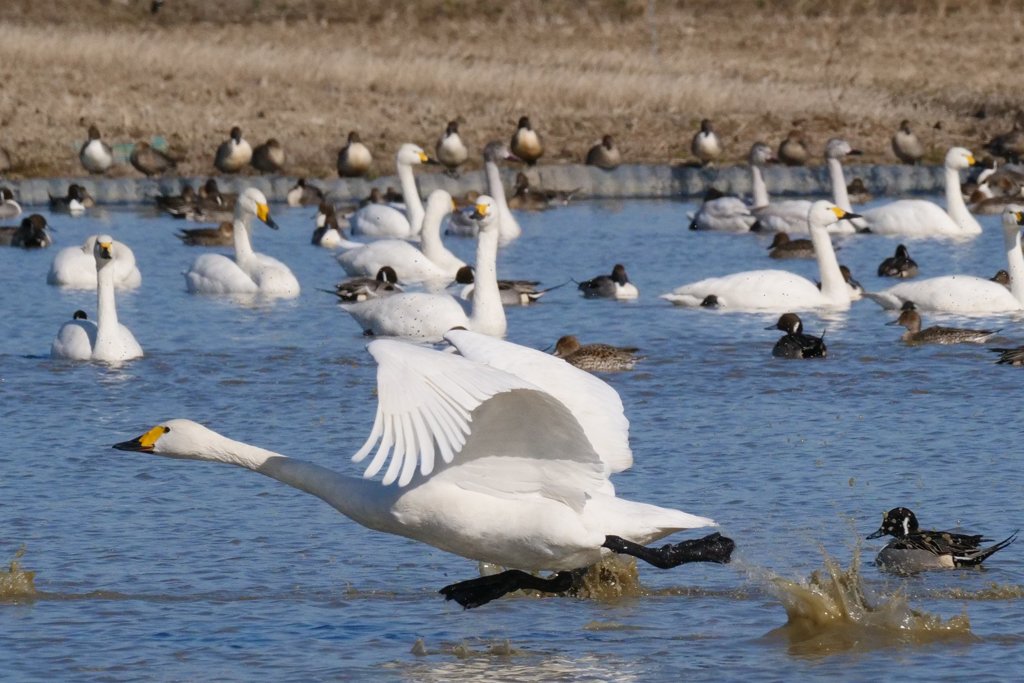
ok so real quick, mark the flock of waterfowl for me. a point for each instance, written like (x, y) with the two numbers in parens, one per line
(498, 452)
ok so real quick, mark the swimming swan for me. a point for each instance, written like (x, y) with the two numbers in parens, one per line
(422, 315)
(482, 463)
(967, 293)
(249, 272)
(75, 267)
(774, 290)
(381, 220)
(106, 339)
(921, 218)
(431, 261)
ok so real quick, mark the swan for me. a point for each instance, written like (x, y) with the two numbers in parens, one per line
(967, 293)
(430, 262)
(96, 156)
(921, 218)
(381, 220)
(106, 339)
(249, 272)
(233, 154)
(509, 228)
(482, 462)
(427, 316)
(789, 216)
(722, 212)
(773, 290)
(75, 267)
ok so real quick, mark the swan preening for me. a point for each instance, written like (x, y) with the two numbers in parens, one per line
(106, 339)
(249, 272)
(75, 267)
(484, 457)
(967, 293)
(381, 220)
(774, 290)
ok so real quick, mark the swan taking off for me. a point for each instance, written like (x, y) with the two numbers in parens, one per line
(106, 339)
(249, 272)
(482, 460)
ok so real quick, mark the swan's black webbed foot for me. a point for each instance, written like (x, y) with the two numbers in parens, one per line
(477, 592)
(712, 548)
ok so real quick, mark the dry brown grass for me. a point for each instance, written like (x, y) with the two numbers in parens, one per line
(307, 71)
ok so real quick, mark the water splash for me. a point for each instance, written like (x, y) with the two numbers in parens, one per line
(17, 584)
(830, 613)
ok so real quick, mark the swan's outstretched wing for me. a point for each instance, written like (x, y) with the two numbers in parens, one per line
(492, 430)
(593, 402)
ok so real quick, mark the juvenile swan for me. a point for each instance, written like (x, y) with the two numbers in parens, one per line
(481, 462)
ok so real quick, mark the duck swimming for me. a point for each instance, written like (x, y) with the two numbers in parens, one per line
(362, 288)
(899, 265)
(914, 549)
(221, 236)
(614, 286)
(483, 460)
(911, 319)
(31, 234)
(796, 344)
(512, 292)
(783, 247)
(596, 357)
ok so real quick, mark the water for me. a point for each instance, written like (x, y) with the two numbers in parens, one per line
(147, 568)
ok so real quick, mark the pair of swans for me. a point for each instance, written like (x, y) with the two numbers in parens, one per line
(427, 316)
(248, 272)
(430, 262)
(779, 290)
(106, 339)
(967, 293)
(75, 267)
(383, 220)
(500, 454)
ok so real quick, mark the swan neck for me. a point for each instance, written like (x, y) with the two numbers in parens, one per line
(106, 310)
(1015, 262)
(955, 206)
(430, 234)
(758, 188)
(413, 204)
(508, 227)
(839, 194)
(243, 243)
(488, 315)
(494, 186)
(833, 286)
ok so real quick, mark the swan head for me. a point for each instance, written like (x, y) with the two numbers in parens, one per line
(760, 154)
(499, 151)
(1013, 217)
(824, 213)
(441, 201)
(485, 212)
(412, 155)
(837, 148)
(183, 439)
(103, 250)
(789, 323)
(960, 157)
(254, 203)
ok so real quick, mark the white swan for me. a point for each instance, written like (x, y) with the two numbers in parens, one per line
(106, 339)
(723, 213)
(431, 262)
(509, 228)
(249, 272)
(482, 462)
(75, 267)
(779, 290)
(921, 218)
(381, 220)
(967, 293)
(421, 315)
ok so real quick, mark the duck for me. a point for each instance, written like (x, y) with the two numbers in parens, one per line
(914, 549)
(784, 247)
(922, 218)
(905, 145)
(450, 149)
(150, 161)
(362, 288)
(328, 232)
(617, 285)
(212, 205)
(526, 197)
(856, 289)
(354, 159)
(221, 236)
(911, 319)
(75, 267)
(430, 262)
(107, 339)
(793, 150)
(74, 202)
(304, 194)
(605, 154)
(966, 293)
(9, 207)
(779, 289)
(1014, 356)
(233, 154)
(483, 461)
(899, 265)
(177, 205)
(723, 213)
(596, 357)
(509, 229)
(796, 344)
(1002, 277)
(268, 157)
(248, 272)
(427, 316)
(858, 192)
(1009, 145)
(706, 145)
(31, 234)
(96, 156)
(512, 292)
(526, 142)
(382, 220)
